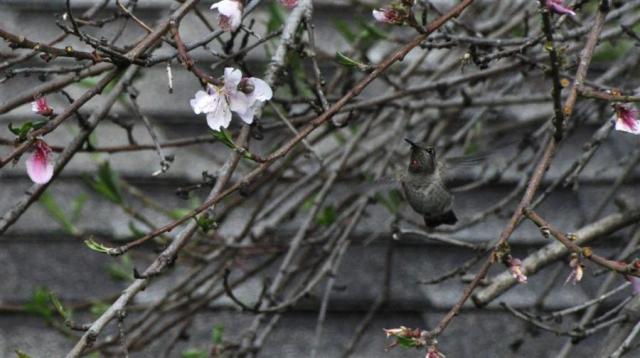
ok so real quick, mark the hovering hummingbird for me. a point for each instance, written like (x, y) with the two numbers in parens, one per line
(425, 189)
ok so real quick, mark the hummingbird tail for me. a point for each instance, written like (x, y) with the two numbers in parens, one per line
(448, 218)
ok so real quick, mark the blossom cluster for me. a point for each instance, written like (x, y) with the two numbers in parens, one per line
(237, 94)
(230, 12)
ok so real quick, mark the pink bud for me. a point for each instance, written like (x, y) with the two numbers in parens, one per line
(39, 164)
(290, 4)
(558, 7)
(41, 106)
(388, 16)
(515, 266)
(627, 119)
(635, 283)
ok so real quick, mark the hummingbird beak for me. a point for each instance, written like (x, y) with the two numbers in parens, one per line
(411, 142)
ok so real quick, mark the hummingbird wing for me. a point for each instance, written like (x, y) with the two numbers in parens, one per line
(477, 157)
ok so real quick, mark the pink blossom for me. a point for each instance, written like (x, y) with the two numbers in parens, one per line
(387, 16)
(515, 266)
(577, 271)
(290, 4)
(635, 283)
(39, 164)
(41, 106)
(558, 7)
(627, 119)
(229, 14)
(432, 352)
(260, 92)
(218, 102)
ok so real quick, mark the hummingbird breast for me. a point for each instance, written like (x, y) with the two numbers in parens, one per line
(428, 197)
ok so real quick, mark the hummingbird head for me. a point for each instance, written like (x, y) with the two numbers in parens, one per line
(423, 159)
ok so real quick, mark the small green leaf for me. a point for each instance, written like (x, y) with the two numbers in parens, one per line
(216, 334)
(194, 353)
(21, 354)
(55, 301)
(135, 231)
(179, 213)
(107, 183)
(225, 137)
(39, 304)
(98, 308)
(49, 203)
(344, 30)
(76, 207)
(123, 270)
(277, 17)
(95, 246)
(371, 33)
(308, 203)
(406, 342)
(327, 216)
(206, 224)
(21, 131)
(349, 62)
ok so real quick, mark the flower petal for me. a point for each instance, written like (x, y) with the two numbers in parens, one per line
(248, 115)
(202, 102)
(232, 11)
(628, 126)
(39, 166)
(232, 78)
(558, 7)
(238, 102)
(380, 16)
(635, 283)
(261, 90)
(220, 117)
(627, 119)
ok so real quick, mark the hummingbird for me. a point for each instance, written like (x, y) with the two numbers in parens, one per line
(425, 189)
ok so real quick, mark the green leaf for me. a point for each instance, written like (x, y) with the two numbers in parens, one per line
(21, 354)
(135, 231)
(123, 270)
(194, 353)
(107, 183)
(371, 33)
(327, 216)
(98, 308)
(95, 246)
(39, 124)
(77, 205)
(276, 17)
(21, 131)
(206, 224)
(49, 203)
(308, 203)
(216, 334)
(345, 31)
(179, 213)
(225, 137)
(55, 301)
(39, 304)
(349, 62)
(406, 342)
